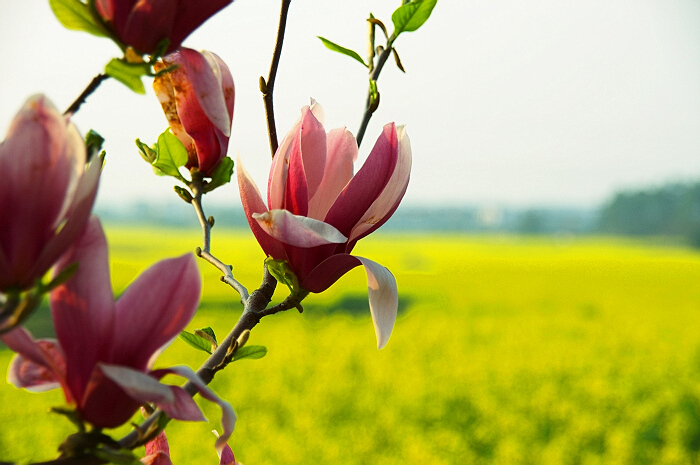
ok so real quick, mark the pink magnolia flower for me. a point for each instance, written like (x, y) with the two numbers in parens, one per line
(158, 452)
(45, 194)
(143, 24)
(317, 210)
(105, 350)
(197, 99)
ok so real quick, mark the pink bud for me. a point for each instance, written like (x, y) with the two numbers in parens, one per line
(143, 24)
(198, 99)
(46, 194)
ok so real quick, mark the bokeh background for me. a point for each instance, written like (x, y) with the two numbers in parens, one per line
(545, 252)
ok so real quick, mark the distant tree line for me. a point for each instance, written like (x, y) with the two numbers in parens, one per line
(672, 210)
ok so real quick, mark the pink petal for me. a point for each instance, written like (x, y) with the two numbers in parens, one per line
(190, 15)
(387, 202)
(192, 81)
(154, 309)
(383, 299)
(158, 458)
(105, 8)
(83, 307)
(148, 23)
(173, 400)
(299, 231)
(381, 286)
(367, 185)
(228, 416)
(307, 126)
(216, 96)
(163, 87)
(296, 195)
(75, 220)
(326, 273)
(341, 153)
(313, 150)
(158, 444)
(253, 203)
(277, 180)
(38, 366)
(38, 160)
(226, 456)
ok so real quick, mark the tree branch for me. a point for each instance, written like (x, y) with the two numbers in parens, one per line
(197, 187)
(92, 87)
(267, 87)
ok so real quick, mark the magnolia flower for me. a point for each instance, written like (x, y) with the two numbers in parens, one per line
(105, 350)
(158, 452)
(318, 210)
(197, 99)
(46, 194)
(143, 24)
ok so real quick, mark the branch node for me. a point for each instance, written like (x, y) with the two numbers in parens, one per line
(198, 252)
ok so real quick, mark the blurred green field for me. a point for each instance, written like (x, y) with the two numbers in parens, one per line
(506, 351)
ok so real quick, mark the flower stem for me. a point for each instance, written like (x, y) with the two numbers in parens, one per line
(368, 106)
(267, 87)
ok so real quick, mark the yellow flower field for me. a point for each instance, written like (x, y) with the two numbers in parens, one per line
(506, 351)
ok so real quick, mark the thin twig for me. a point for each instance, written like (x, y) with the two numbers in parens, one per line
(92, 87)
(267, 87)
(205, 252)
(373, 77)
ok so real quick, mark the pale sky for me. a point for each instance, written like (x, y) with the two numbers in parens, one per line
(517, 103)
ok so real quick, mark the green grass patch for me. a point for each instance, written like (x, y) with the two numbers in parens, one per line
(506, 351)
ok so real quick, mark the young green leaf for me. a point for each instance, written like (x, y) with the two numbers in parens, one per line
(283, 273)
(208, 334)
(221, 175)
(128, 74)
(250, 352)
(170, 155)
(345, 51)
(195, 341)
(75, 15)
(411, 16)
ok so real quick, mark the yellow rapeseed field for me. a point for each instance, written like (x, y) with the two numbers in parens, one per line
(506, 351)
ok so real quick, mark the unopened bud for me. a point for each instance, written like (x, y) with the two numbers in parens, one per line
(243, 338)
(183, 193)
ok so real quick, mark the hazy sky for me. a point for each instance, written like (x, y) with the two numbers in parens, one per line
(525, 103)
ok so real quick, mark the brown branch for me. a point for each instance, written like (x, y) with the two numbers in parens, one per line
(267, 87)
(92, 87)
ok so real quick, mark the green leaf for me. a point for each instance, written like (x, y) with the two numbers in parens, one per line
(208, 334)
(170, 155)
(129, 74)
(195, 341)
(411, 16)
(93, 143)
(250, 352)
(221, 175)
(345, 51)
(75, 15)
(283, 273)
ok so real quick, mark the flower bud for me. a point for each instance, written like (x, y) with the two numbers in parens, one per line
(144, 24)
(197, 98)
(46, 194)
